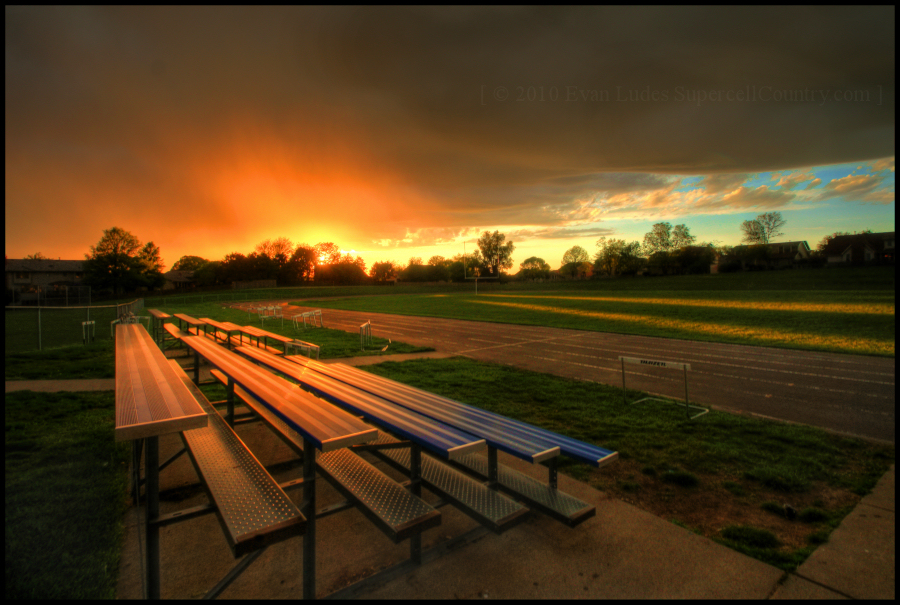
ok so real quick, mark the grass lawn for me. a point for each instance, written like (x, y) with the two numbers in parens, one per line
(96, 360)
(65, 495)
(712, 475)
(834, 310)
(332, 343)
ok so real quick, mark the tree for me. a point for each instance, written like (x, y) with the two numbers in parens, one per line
(663, 238)
(275, 247)
(534, 268)
(576, 254)
(119, 262)
(658, 239)
(327, 253)
(681, 237)
(189, 263)
(153, 266)
(616, 257)
(116, 241)
(36, 256)
(763, 229)
(496, 254)
(382, 272)
(302, 264)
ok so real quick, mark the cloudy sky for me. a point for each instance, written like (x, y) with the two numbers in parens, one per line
(405, 132)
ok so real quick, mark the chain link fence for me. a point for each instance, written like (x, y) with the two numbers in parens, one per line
(38, 328)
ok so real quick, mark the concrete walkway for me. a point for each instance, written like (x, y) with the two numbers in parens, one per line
(623, 552)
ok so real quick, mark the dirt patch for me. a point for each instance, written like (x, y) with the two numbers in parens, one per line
(720, 501)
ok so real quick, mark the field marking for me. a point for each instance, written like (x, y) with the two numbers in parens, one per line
(841, 308)
(700, 370)
(762, 335)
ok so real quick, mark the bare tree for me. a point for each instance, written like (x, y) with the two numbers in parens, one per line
(763, 229)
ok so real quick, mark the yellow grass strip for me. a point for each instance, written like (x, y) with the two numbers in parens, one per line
(868, 309)
(743, 332)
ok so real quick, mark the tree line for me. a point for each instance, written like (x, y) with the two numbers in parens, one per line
(120, 262)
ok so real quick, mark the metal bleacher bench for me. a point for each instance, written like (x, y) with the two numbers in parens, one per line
(187, 322)
(158, 318)
(491, 509)
(514, 437)
(310, 424)
(224, 328)
(262, 337)
(252, 509)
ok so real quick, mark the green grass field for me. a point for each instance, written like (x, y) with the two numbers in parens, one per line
(834, 310)
(66, 482)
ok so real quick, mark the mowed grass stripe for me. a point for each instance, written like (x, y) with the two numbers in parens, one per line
(720, 330)
(880, 308)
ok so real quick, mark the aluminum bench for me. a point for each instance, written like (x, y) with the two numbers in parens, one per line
(487, 506)
(393, 509)
(495, 426)
(262, 337)
(252, 509)
(227, 328)
(186, 322)
(491, 509)
(446, 441)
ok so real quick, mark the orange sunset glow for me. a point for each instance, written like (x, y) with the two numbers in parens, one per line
(401, 132)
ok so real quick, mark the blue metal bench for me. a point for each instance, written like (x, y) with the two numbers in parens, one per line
(490, 508)
(514, 437)
(443, 440)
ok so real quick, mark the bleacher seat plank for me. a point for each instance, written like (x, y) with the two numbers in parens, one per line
(446, 441)
(515, 437)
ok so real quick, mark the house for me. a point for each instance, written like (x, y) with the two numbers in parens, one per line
(860, 249)
(773, 256)
(27, 278)
(179, 280)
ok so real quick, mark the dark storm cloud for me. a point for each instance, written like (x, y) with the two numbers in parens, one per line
(510, 114)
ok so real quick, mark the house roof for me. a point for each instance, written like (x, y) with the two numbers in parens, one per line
(23, 265)
(179, 276)
(839, 244)
(776, 246)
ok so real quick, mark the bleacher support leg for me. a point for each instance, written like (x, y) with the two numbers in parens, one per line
(492, 468)
(309, 511)
(152, 462)
(229, 414)
(415, 486)
(552, 479)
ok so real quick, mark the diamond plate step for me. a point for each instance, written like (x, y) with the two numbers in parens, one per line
(490, 508)
(538, 495)
(253, 510)
(392, 508)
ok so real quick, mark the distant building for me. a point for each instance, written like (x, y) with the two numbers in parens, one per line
(860, 249)
(28, 275)
(179, 280)
(773, 256)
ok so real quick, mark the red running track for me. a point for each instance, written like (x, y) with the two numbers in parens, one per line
(849, 394)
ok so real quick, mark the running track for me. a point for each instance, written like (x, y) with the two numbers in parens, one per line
(849, 394)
